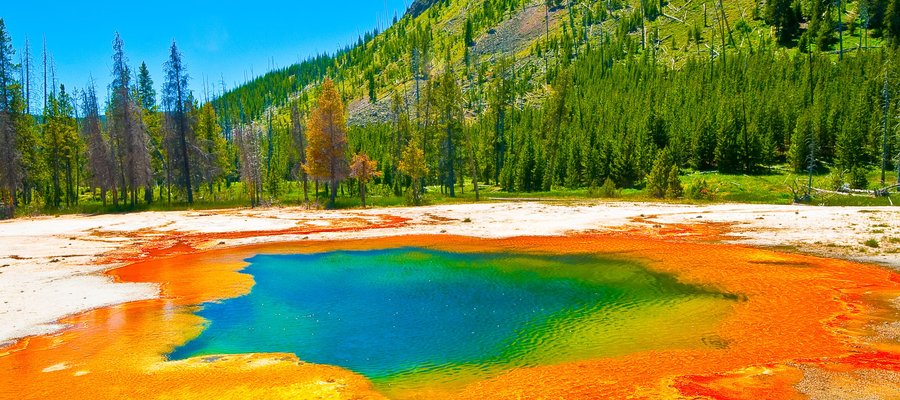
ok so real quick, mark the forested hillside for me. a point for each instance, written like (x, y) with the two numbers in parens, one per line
(568, 94)
(511, 95)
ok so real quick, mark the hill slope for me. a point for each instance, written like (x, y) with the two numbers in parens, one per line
(433, 29)
(532, 97)
(536, 36)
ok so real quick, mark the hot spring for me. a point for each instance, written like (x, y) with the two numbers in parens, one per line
(413, 318)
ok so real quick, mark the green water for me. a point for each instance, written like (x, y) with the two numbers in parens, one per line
(411, 318)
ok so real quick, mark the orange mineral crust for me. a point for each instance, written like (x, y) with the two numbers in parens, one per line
(795, 313)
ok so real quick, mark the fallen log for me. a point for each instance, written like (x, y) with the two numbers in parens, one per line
(845, 191)
(817, 190)
(886, 191)
(672, 17)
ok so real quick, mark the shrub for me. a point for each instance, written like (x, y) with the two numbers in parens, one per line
(872, 243)
(858, 178)
(674, 189)
(608, 190)
(699, 190)
(837, 180)
(659, 177)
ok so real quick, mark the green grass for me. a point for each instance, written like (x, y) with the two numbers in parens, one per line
(768, 188)
(774, 188)
(872, 243)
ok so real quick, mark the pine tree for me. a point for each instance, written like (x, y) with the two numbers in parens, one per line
(373, 94)
(298, 133)
(146, 92)
(63, 146)
(728, 140)
(212, 145)
(892, 22)
(851, 140)
(9, 154)
(449, 102)
(400, 137)
(674, 189)
(326, 153)
(802, 141)
(176, 102)
(703, 147)
(27, 70)
(30, 166)
(159, 162)
(53, 144)
(363, 169)
(527, 178)
(99, 158)
(414, 166)
(500, 100)
(73, 147)
(145, 96)
(29, 155)
(276, 142)
(247, 139)
(658, 180)
(130, 141)
(557, 112)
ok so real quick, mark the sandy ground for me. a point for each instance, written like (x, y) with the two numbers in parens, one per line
(51, 267)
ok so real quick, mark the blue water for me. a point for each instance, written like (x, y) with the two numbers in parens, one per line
(402, 312)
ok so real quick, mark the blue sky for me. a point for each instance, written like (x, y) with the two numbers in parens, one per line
(236, 39)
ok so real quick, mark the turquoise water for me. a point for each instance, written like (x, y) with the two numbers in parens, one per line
(411, 317)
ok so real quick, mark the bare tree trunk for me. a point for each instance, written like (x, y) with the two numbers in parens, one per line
(334, 189)
(886, 104)
(643, 29)
(306, 189)
(362, 193)
(70, 195)
(186, 164)
(841, 29)
(45, 74)
(27, 76)
(168, 182)
(474, 163)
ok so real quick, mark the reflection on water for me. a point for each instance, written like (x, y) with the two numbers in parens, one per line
(412, 318)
